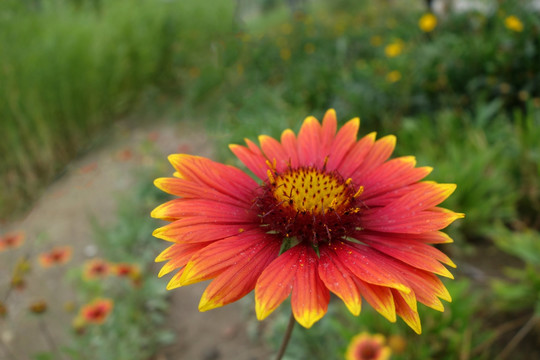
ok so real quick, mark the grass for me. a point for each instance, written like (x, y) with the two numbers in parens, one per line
(69, 67)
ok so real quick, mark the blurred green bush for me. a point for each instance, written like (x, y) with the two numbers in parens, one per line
(69, 68)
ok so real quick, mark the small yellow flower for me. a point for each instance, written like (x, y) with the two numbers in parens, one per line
(394, 49)
(240, 69)
(393, 76)
(285, 54)
(523, 95)
(246, 38)
(505, 88)
(397, 344)
(427, 22)
(339, 28)
(513, 23)
(286, 29)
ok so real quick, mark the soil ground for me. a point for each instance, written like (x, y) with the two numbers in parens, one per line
(89, 188)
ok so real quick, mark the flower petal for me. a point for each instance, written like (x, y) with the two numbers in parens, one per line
(356, 155)
(392, 175)
(408, 314)
(409, 251)
(379, 297)
(223, 178)
(408, 214)
(220, 255)
(191, 190)
(378, 154)
(339, 280)
(367, 265)
(195, 229)
(328, 131)
(309, 143)
(274, 152)
(240, 278)
(427, 287)
(180, 208)
(178, 256)
(290, 144)
(275, 283)
(423, 221)
(252, 158)
(310, 297)
(342, 144)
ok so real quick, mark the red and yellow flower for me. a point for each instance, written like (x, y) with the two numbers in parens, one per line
(126, 270)
(329, 213)
(365, 346)
(513, 23)
(11, 240)
(130, 271)
(57, 256)
(427, 22)
(97, 311)
(96, 269)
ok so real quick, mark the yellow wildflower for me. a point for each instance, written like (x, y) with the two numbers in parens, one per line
(513, 23)
(285, 54)
(427, 22)
(394, 49)
(393, 76)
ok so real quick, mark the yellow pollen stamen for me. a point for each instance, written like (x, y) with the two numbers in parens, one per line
(270, 177)
(271, 165)
(359, 192)
(311, 191)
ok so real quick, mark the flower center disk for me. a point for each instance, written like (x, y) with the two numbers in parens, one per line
(309, 204)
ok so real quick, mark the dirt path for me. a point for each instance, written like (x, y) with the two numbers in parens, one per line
(61, 217)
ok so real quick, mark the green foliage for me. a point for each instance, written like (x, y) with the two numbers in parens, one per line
(68, 67)
(521, 290)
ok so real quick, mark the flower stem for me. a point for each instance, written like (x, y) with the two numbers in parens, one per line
(286, 337)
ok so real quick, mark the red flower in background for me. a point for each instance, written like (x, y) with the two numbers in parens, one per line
(97, 311)
(330, 214)
(11, 240)
(368, 347)
(57, 256)
(127, 270)
(96, 269)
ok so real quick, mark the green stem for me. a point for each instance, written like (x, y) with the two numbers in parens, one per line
(286, 337)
